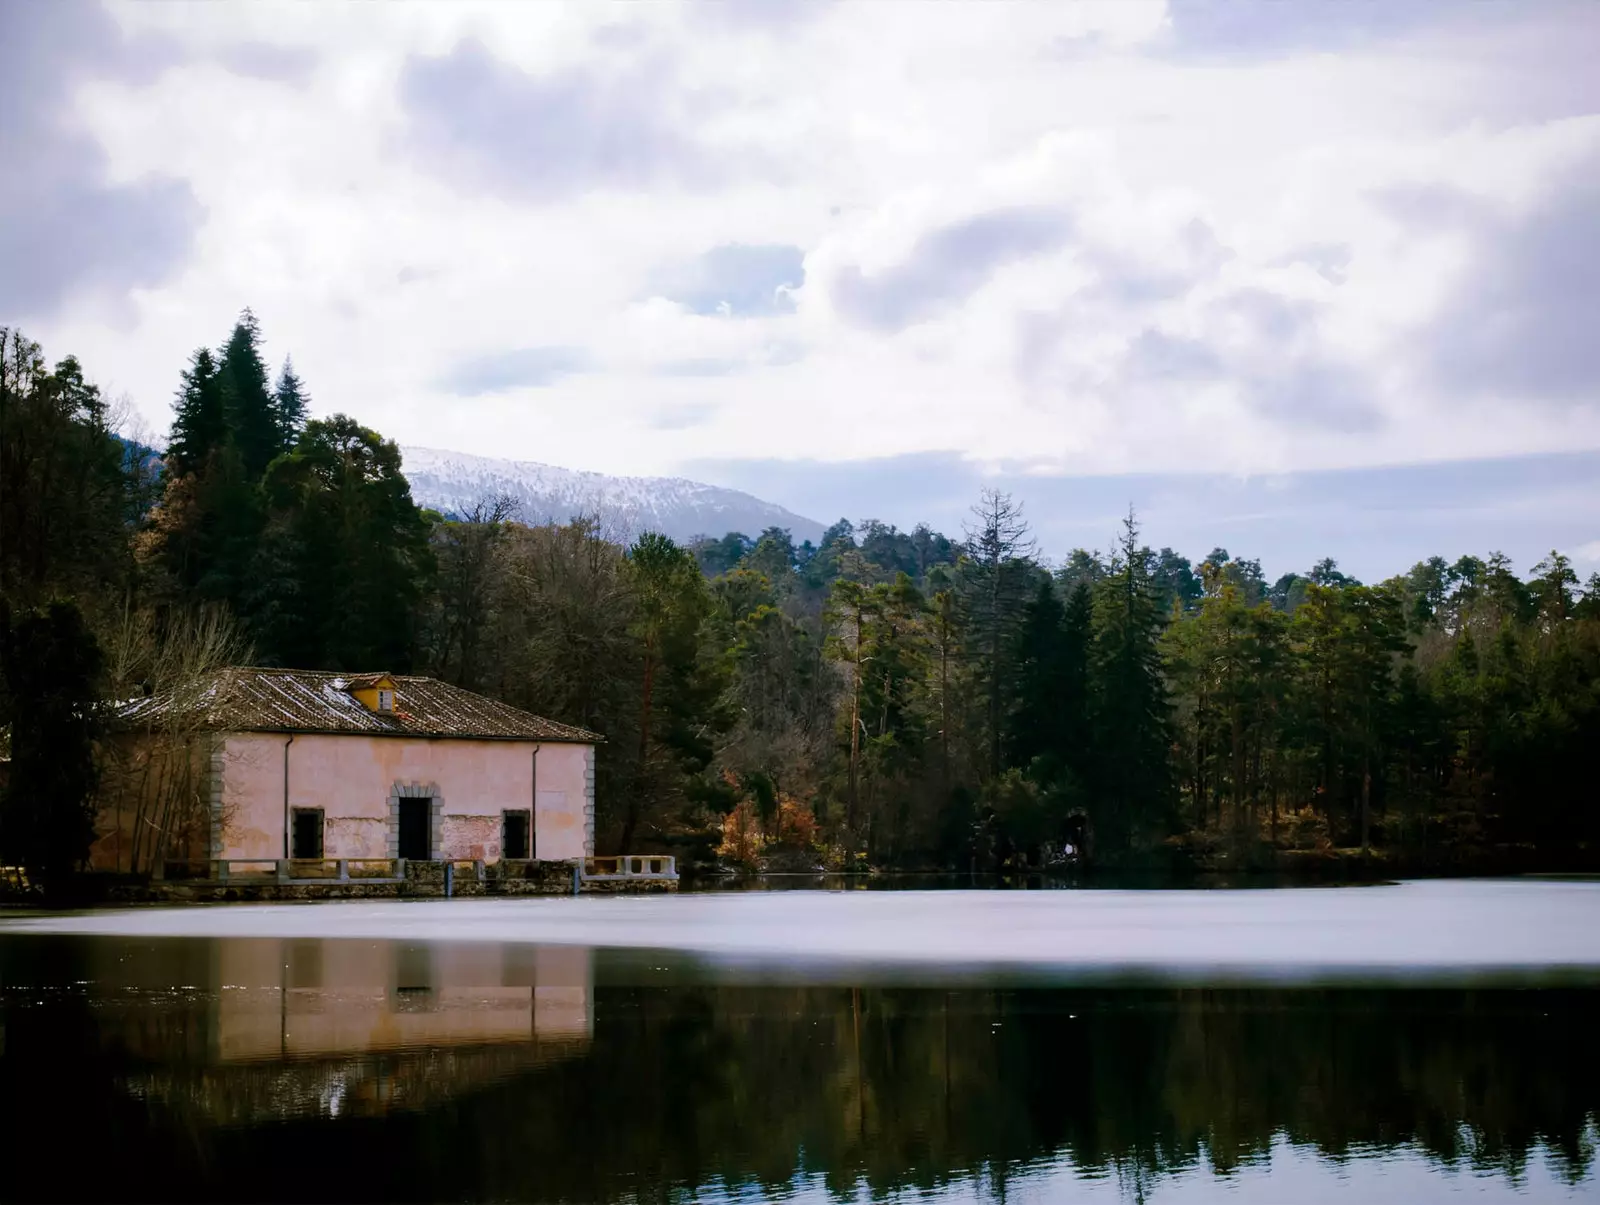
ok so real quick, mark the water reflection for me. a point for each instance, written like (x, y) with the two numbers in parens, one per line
(300, 1069)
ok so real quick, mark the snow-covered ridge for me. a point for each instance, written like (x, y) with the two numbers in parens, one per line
(455, 482)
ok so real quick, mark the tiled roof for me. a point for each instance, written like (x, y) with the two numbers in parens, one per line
(298, 700)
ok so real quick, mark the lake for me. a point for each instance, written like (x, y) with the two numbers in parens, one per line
(1410, 1042)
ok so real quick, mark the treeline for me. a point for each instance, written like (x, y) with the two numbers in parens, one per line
(884, 698)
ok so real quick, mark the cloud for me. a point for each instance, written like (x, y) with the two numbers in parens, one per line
(1521, 322)
(1235, 29)
(703, 367)
(946, 266)
(685, 416)
(765, 16)
(1295, 391)
(736, 280)
(64, 227)
(1331, 261)
(1155, 356)
(526, 367)
(473, 116)
(873, 230)
(268, 61)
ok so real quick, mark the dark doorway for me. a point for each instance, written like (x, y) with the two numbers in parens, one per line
(514, 836)
(416, 829)
(307, 834)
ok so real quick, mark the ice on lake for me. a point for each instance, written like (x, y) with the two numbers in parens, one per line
(1403, 929)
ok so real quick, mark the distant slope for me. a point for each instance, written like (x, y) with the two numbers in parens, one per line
(454, 482)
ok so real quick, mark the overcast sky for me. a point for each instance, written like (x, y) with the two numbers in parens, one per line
(862, 258)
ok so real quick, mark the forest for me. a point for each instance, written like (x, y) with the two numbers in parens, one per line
(881, 700)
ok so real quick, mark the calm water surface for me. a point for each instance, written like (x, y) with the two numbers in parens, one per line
(1418, 1042)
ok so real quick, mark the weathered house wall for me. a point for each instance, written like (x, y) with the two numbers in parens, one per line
(353, 779)
(156, 799)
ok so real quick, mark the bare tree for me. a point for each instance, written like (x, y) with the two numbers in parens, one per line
(156, 767)
(467, 553)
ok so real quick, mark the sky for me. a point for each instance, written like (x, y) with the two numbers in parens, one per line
(1298, 279)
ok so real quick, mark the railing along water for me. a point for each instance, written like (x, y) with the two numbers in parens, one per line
(631, 866)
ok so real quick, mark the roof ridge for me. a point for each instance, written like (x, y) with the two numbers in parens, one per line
(305, 700)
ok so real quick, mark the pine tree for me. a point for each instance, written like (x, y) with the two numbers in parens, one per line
(1036, 722)
(680, 688)
(64, 487)
(199, 422)
(51, 667)
(344, 557)
(1131, 713)
(252, 412)
(291, 403)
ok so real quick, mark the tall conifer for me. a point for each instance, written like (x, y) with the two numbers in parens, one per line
(247, 398)
(199, 424)
(1131, 714)
(291, 403)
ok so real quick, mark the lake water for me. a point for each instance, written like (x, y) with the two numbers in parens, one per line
(1415, 1042)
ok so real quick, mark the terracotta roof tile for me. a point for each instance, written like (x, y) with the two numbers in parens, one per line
(297, 700)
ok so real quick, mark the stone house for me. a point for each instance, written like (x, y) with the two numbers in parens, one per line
(279, 763)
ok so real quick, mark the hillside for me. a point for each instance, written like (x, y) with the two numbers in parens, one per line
(453, 482)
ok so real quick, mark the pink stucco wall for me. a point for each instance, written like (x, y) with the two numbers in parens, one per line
(351, 777)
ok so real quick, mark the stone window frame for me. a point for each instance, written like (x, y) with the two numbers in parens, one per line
(416, 790)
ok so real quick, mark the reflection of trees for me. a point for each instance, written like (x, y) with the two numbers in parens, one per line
(948, 1083)
(897, 1087)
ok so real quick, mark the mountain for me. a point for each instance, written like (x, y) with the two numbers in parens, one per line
(453, 482)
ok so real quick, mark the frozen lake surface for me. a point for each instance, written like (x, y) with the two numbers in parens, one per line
(1440, 926)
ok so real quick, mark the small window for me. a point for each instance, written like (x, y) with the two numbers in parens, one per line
(307, 833)
(514, 836)
(386, 700)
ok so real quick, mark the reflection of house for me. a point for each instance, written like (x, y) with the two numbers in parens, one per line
(300, 1026)
(302, 764)
(296, 998)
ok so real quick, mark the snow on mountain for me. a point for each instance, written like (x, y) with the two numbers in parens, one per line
(454, 482)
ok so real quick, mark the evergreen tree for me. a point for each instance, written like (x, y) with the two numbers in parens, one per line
(291, 403)
(893, 709)
(1080, 567)
(344, 558)
(199, 422)
(1176, 582)
(64, 488)
(679, 687)
(1287, 593)
(1038, 722)
(254, 426)
(51, 666)
(1131, 714)
(774, 557)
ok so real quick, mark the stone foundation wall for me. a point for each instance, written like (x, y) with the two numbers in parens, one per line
(424, 880)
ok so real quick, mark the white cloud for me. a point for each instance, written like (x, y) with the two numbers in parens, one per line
(1040, 233)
